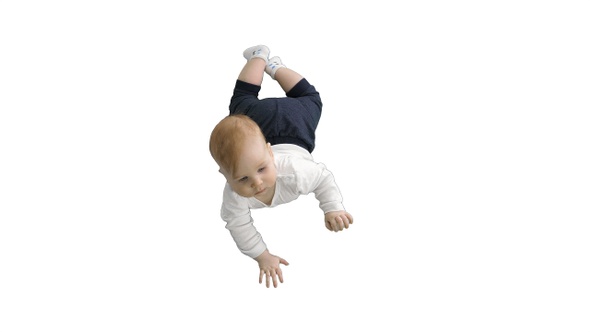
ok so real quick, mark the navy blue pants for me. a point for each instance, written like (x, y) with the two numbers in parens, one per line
(292, 119)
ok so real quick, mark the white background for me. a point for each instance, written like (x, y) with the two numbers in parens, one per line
(457, 132)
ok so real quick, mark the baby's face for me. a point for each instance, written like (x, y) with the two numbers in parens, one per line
(256, 174)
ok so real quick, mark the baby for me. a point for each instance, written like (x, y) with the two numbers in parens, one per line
(263, 149)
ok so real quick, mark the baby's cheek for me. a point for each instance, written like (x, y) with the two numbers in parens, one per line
(244, 191)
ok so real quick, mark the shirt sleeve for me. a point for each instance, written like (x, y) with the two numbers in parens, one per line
(236, 213)
(315, 177)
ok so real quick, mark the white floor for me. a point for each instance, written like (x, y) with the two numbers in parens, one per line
(457, 132)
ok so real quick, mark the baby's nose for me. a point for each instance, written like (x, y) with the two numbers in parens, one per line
(256, 182)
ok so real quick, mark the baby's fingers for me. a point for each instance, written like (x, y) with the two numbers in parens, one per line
(274, 279)
(333, 224)
(345, 221)
(268, 277)
(262, 275)
(349, 216)
(337, 224)
(280, 274)
(283, 261)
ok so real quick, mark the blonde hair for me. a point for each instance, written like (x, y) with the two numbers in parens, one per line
(228, 137)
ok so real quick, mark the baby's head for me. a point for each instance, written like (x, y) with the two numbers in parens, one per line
(244, 157)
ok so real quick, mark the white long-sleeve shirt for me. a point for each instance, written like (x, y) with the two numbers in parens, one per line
(297, 174)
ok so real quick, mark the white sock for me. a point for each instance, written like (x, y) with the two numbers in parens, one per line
(273, 65)
(258, 51)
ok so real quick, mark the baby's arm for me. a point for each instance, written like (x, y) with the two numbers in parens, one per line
(236, 213)
(241, 227)
(320, 181)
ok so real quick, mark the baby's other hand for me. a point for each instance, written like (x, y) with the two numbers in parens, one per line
(270, 267)
(338, 220)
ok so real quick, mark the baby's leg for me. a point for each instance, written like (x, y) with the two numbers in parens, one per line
(253, 70)
(286, 77)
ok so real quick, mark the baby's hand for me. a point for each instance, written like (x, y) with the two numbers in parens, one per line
(338, 220)
(269, 266)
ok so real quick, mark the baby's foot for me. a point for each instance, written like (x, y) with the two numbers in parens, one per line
(258, 51)
(273, 65)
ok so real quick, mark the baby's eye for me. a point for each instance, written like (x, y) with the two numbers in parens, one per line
(260, 170)
(244, 179)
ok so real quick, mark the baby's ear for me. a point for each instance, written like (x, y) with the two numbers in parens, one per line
(223, 172)
(270, 150)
